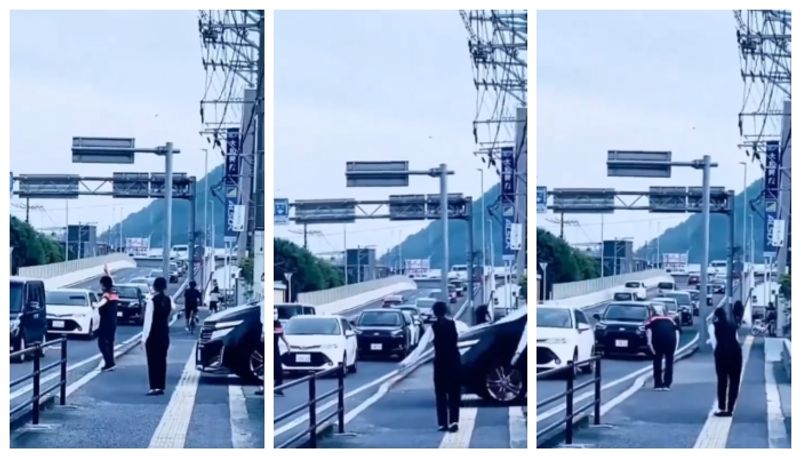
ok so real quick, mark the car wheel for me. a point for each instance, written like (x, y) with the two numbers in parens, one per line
(354, 368)
(255, 365)
(90, 333)
(22, 345)
(589, 366)
(504, 384)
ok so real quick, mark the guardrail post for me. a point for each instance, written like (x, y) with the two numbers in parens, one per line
(63, 378)
(312, 409)
(35, 400)
(598, 378)
(340, 401)
(570, 385)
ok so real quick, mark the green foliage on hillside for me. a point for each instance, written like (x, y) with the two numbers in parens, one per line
(31, 247)
(565, 263)
(310, 273)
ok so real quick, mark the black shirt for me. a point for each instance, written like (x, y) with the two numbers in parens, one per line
(725, 334)
(108, 312)
(445, 343)
(278, 331)
(191, 298)
(159, 327)
(663, 329)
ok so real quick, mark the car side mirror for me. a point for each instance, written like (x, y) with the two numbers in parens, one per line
(349, 333)
(353, 323)
(34, 305)
(582, 327)
(596, 316)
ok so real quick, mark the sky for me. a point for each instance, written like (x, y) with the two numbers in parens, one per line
(635, 81)
(118, 73)
(370, 86)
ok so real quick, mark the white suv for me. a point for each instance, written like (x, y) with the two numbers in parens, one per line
(637, 288)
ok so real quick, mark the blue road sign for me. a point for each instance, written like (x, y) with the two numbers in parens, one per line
(281, 211)
(508, 222)
(231, 182)
(771, 192)
(541, 199)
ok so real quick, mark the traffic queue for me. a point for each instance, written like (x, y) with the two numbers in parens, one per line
(568, 334)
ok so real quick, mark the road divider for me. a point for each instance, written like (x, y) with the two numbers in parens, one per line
(342, 299)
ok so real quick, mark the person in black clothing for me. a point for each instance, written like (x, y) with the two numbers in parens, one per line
(108, 321)
(738, 313)
(213, 297)
(446, 369)
(277, 366)
(727, 361)
(155, 337)
(191, 302)
(662, 337)
(772, 319)
(482, 315)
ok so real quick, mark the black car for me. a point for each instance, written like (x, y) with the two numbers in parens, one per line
(685, 307)
(230, 341)
(28, 314)
(695, 296)
(383, 332)
(494, 359)
(287, 310)
(620, 329)
(131, 304)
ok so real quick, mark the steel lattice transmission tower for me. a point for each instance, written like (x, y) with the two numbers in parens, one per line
(233, 58)
(764, 38)
(498, 48)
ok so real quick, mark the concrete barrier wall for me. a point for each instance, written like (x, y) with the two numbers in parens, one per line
(579, 288)
(53, 270)
(70, 278)
(593, 298)
(341, 299)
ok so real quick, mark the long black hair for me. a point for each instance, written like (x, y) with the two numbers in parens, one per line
(160, 285)
(720, 316)
(106, 283)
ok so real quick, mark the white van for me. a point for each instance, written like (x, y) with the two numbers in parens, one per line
(180, 252)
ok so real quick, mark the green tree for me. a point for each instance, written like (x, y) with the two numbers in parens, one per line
(309, 273)
(786, 287)
(31, 247)
(247, 270)
(564, 263)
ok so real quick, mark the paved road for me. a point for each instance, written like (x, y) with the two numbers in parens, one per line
(359, 386)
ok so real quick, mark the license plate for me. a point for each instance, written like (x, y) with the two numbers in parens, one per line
(119, 313)
(375, 347)
(58, 324)
(302, 358)
(621, 343)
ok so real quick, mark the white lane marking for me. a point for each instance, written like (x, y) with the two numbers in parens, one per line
(716, 430)
(517, 428)
(557, 409)
(609, 405)
(776, 429)
(174, 425)
(240, 437)
(89, 376)
(304, 418)
(466, 425)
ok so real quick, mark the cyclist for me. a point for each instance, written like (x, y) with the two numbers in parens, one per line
(772, 319)
(191, 301)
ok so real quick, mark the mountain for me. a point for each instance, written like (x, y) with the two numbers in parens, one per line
(428, 241)
(687, 236)
(149, 220)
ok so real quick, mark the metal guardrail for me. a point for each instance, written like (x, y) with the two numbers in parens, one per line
(569, 395)
(575, 288)
(52, 270)
(322, 297)
(37, 395)
(313, 400)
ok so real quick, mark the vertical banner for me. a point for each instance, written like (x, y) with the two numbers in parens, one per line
(232, 159)
(771, 192)
(507, 200)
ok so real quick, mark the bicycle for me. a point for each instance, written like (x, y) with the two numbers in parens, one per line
(192, 321)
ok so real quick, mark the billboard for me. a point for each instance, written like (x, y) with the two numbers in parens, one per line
(417, 267)
(231, 184)
(507, 200)
(771, 194)
(137, 247)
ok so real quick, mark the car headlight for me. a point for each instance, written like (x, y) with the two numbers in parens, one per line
(466, 344)
(220, 333)
(357, 331)
(555, 340)
(640, 329)
(397, 332)
(599, 326)
(226, 325)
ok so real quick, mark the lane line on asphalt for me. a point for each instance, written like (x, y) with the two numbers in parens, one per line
(240, 437)
(173, 428)
(557, 409)
(466, 425)
(716, 430)
(611, 404)
(776, 428)
(517, 428)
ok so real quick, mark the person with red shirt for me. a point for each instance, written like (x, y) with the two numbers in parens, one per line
(663, 336)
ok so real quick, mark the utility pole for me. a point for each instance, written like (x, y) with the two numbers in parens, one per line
(27, 210)
(167, 209)
(346, 272)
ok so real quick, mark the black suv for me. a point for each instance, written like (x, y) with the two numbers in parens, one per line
(28, 313)
(621, 328)
(131, 303)
(383, 332)
(230, 341)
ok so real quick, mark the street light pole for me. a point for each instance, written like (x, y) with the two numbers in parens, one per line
(443, 208)
(288, 277)
(706, 163)
(483, 239)
(205, 203)
(744, 233)
(167, 208)
(543, 265)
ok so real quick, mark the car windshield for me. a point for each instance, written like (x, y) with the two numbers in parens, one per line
(316, 326)
(665, 285)
(59, 298)
(669, 305)
(392, 301)
(139, 281)
(626, 313)
(411, 309)
(15, 303)
(287, 312)
(427, 304)
(632, 285)
(373, 319)
(623, 296)
(682, 299)
(553, 318)
(127, 291)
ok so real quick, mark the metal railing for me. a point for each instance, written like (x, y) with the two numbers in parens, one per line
(575, 288)
(37, 351)
(569, 395)
(313, 400)
(326, 296)
(52, 270)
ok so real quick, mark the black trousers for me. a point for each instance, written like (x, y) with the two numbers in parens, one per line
(212, 306)
(448, 397)
(729, 374)
(277, 367)
(157, 362)
(105, 342)
(669, 359)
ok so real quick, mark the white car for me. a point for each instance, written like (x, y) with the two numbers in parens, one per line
(638, 289)
(318, 343)
(562, 334)
(146, 291)
(416, 319)
(70, 312)
(413, 325)
(425, 306)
